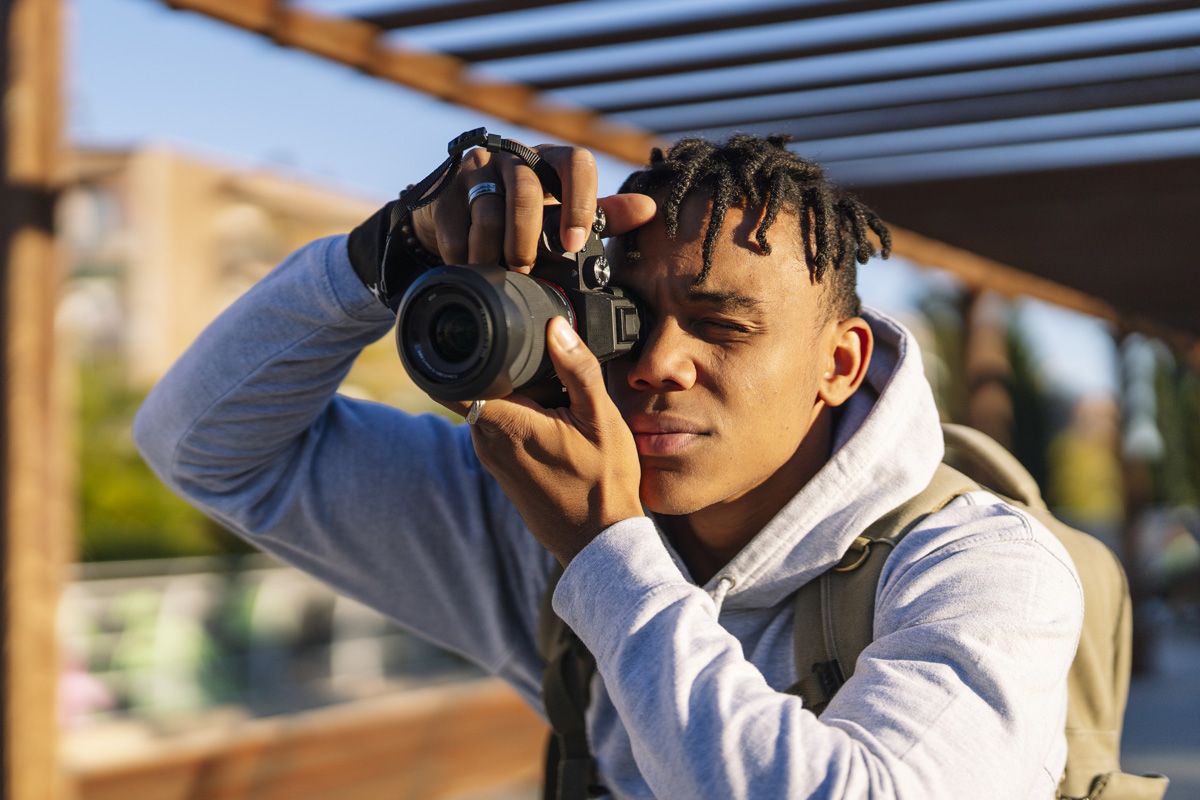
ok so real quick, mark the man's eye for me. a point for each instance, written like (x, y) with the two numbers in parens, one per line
(722, 325)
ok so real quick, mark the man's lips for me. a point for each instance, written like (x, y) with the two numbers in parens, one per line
(657, 435)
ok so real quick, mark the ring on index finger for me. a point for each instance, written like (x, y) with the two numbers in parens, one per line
(480, 189)
(473, 413)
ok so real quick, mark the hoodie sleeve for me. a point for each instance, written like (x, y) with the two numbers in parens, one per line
(962, 694)
(387, 508)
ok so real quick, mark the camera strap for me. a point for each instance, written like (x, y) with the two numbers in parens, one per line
(419, 194)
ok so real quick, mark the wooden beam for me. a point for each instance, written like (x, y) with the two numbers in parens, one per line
(887, 116)
(34, 534)
(872, 40)
(360, 45)
(982, 274)
(683, 25)
(979, 274)
(448, 12)
(987, 62)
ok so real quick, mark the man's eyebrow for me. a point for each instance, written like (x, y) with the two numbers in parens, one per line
(728, 301)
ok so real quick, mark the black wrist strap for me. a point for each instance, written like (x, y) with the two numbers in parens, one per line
(385, 251)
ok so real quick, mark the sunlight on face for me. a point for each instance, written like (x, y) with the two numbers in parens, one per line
(723, 390)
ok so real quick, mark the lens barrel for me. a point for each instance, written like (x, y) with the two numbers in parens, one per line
(467, 333)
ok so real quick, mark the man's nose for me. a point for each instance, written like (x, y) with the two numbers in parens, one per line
(664, 362)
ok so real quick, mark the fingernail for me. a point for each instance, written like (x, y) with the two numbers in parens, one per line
(563, 333)
(575, 239)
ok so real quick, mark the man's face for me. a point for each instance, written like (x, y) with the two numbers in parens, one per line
(725, 386)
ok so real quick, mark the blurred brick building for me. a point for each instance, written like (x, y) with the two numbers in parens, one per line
(158, 242)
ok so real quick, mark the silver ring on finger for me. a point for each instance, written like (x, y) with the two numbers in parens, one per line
(474, 411)
(480, 189)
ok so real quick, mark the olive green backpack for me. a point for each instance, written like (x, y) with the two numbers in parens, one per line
(833, 621)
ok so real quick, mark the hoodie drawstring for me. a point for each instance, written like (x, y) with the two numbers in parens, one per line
(723, 586)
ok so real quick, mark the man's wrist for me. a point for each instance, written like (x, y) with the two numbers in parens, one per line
(566, 549)
(386, 254)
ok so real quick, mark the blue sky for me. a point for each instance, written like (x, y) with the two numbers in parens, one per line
(140, 73)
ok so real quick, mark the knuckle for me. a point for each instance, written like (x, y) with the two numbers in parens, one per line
(519, 255)
(451, 236)
(492, 431)
(476, 158)
(588, 372)
(581, 213)
(526, 190)
(451, 250)
(579, 159)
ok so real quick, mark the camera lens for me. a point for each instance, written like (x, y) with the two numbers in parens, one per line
(455, 333)
(479, 332)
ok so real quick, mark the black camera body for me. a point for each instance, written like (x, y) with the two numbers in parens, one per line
(477, 333)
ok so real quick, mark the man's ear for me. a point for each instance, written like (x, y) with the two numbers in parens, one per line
(848, 353)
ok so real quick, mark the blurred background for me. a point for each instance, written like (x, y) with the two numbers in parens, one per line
(1040, 162)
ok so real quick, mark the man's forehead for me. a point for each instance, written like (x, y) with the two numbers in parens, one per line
(740, 275)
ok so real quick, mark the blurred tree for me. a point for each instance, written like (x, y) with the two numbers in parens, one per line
(1173, 473)
(126, 512)
(1189, 415)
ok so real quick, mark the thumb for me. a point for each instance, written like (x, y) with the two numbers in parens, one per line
(578, 370)
(624, 212)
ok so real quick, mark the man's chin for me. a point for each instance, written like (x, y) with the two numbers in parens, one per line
(670, 494)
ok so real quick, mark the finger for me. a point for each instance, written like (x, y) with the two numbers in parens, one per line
(457, 406)
(578, 370)
(486, 238)
(576, 169)
(451, 215)
(497, 412)
(624, 212)
(523, 222)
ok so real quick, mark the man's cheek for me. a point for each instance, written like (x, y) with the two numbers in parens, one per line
(616, 375)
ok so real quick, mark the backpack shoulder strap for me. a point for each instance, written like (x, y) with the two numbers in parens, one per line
(833, 614)
(570, 770)
(989, 464)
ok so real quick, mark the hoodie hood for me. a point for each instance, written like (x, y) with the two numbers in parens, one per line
(887, 442)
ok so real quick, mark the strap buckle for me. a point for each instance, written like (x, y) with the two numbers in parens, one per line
(860, 543)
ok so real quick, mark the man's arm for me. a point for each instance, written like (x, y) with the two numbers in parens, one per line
(962, 694)
(392, 510)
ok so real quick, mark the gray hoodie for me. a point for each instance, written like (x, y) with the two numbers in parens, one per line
(962, 693)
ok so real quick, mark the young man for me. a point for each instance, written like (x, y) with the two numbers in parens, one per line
(764, 423)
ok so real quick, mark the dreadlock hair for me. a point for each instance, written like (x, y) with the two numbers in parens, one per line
(762, 174)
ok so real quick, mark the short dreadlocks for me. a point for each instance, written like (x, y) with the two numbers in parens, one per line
(754, 173)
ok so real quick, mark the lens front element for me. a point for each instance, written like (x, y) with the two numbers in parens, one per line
(468, 333)
(455, 333)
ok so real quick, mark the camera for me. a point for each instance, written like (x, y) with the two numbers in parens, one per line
(476, 333)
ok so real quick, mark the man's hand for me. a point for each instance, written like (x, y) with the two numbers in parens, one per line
(573, 471)
(510, 224)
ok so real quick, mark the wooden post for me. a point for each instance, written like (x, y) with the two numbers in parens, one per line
(33, 501)
(988, 373)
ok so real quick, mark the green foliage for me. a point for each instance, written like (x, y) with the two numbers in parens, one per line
(1173, 474)
(125, 512)
(1189, 415)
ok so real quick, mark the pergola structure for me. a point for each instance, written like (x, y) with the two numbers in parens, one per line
(1045, 148)
(1058, 141)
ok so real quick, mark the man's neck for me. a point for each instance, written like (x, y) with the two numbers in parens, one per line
(709, 539)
